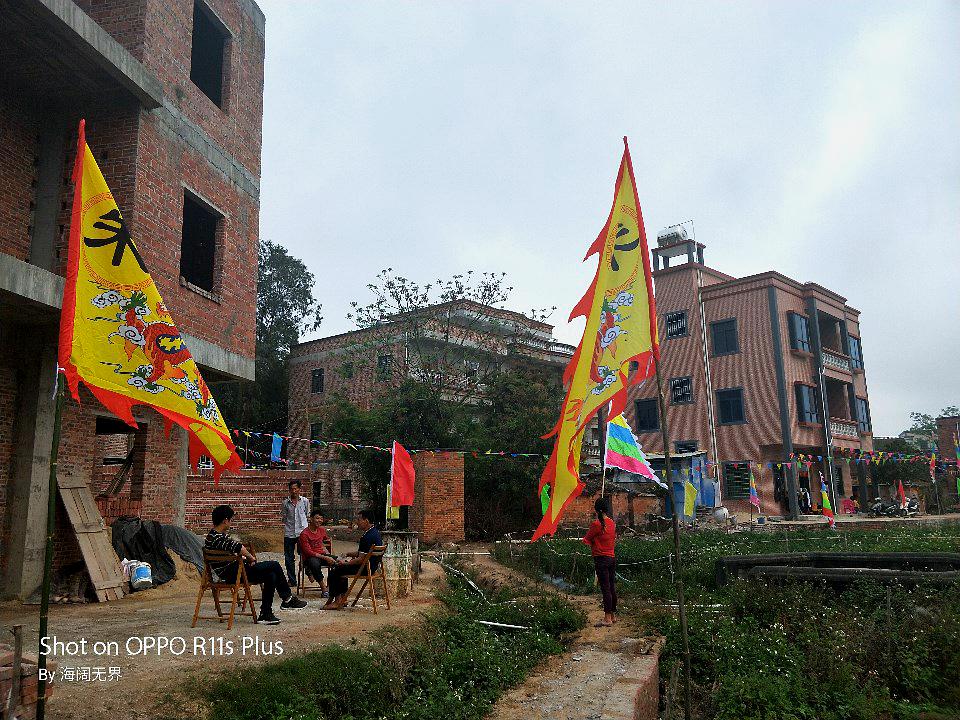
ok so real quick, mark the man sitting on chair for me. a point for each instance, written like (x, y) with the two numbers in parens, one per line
(351, 563)
(269, 573)
(315, 549)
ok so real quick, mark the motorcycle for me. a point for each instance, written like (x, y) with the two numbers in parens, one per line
(911, 509)
(884, 508)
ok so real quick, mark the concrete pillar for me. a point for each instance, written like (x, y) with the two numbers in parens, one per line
(30, 474)
(866, 499)
(180, 481)
(437, 512)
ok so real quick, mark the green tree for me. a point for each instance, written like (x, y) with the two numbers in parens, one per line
(466, 379)
(926, 423)
(285, 309)
(519, 409)
(455, 333)
(915, 476)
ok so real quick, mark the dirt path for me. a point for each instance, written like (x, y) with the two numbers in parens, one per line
(150, 686)
(573, 686)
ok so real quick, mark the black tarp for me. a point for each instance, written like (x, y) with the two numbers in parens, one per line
(137, 539)
(184, 543)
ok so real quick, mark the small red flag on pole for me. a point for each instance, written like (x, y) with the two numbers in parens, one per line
(402, 477)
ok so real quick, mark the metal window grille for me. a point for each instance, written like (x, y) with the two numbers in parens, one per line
(681, 391)
(676, 323)
(736, 480)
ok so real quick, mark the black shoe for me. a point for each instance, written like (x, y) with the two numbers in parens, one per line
(268, 618)
(293, 603)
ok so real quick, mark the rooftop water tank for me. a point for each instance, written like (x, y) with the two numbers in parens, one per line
(671, 236)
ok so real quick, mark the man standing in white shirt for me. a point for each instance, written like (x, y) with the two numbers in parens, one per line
(294, 512)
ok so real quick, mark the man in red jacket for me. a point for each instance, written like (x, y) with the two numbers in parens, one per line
(315, 549)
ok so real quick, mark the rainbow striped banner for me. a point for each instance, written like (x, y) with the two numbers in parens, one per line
(623, 450)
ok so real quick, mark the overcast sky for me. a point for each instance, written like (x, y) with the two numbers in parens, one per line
(818, 139)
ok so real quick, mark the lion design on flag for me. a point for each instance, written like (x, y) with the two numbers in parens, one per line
(159, 341)
(608, 332)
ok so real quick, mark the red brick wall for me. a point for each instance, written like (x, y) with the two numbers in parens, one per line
(159, 34)
(255, 496)
(18, 145)
(169, 34)
(437, 512)
(361, 390)
(152, 497)
(329, 471)
(8, 409)
(123, 19)
(581, 513)
(230, 321)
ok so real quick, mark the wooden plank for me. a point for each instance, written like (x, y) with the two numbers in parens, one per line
(107, 584)
(90, 509)
(71, 483)
(92, 537)
(90, 528)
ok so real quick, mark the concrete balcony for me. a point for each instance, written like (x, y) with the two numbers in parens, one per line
(836, 361)
(840, 427)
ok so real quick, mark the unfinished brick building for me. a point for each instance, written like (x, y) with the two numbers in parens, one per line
(172, 94)
(755, 369)
(361, 365)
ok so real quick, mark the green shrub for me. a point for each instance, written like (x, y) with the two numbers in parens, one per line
(450, 666)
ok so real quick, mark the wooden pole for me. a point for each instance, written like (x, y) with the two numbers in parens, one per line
(15, 667)
(678, 577)
(48, 555)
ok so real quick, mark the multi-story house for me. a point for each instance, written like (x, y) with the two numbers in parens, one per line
(172, 94)
(454, 346)
(760, 369)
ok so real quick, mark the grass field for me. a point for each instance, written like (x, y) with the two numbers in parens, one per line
(786, 652)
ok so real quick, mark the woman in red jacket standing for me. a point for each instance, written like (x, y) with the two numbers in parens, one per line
(602, 537)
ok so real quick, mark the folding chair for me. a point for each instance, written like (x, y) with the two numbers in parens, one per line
(302, 586)
(239, 588)
(369, 578)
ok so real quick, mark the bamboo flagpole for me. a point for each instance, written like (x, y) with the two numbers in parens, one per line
(678, 579)
(602, 425)
(48, 552)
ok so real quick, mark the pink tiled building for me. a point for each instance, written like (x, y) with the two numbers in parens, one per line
(757, 368)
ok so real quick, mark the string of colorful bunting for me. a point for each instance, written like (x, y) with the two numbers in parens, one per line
(798, 459)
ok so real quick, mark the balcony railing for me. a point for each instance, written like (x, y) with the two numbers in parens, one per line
(835, 360)
(591, 450)
(843, 428)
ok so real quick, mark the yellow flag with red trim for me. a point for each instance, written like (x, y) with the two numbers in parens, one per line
(621, 327)
(116, 335)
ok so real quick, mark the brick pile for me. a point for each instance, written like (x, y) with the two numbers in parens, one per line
(27, 706)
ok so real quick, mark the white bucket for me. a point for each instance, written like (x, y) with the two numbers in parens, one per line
(140, 575)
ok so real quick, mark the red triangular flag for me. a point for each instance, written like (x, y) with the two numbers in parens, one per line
(902, 495)
(402, 477)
